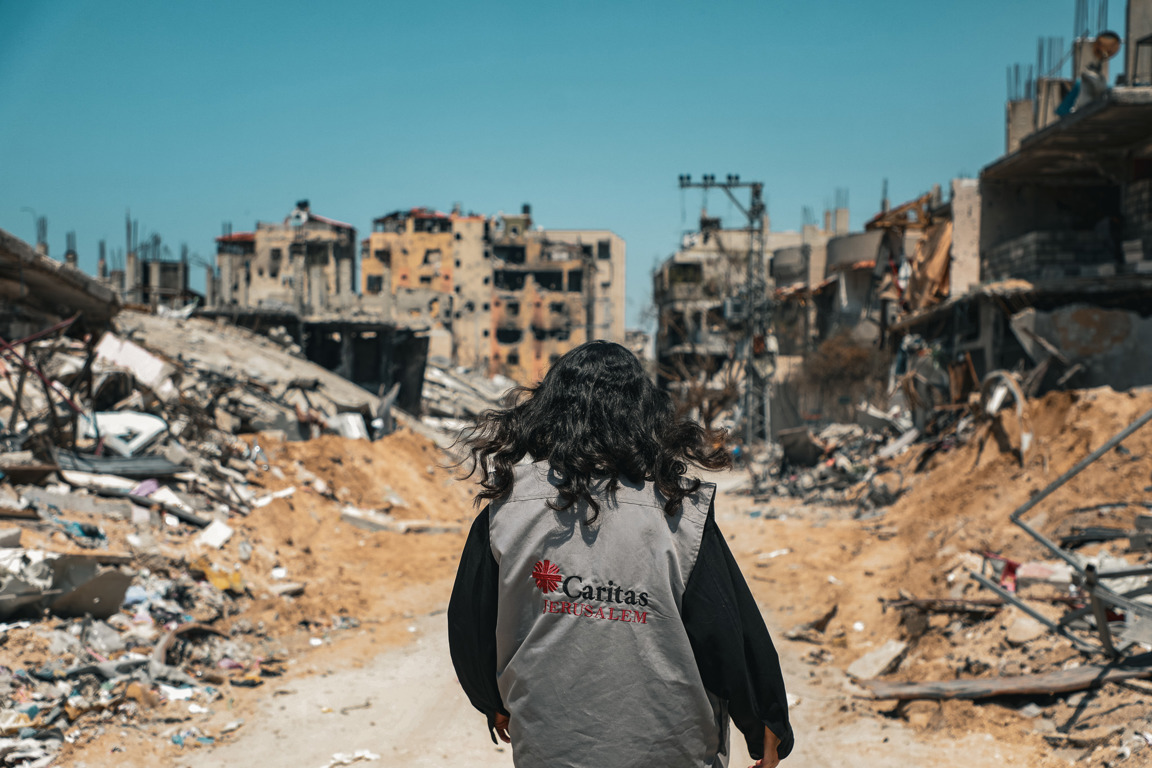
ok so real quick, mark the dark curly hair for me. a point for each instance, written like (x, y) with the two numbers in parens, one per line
(595, 415)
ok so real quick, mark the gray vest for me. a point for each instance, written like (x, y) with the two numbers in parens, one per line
(592, 659)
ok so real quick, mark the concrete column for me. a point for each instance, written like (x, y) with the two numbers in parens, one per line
(317, 290)
(1138, 25)
(242, 271)
(299, 279)
(345, 288)
(1020, 122)
(346, 353)
(209, 287)
(842, 221)
(965, 268)
(227, 277)
(154, 282)
(131, 277)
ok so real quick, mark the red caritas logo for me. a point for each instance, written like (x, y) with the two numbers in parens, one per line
(546, 575)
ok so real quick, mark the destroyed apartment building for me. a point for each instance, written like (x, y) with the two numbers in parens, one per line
(1042, 265)
(296, 280)
(1065, 239)
(156, 484)
(497, 294)
(695, 292)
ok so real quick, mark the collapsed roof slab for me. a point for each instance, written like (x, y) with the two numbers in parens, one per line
(1088, 146)
(38, 285)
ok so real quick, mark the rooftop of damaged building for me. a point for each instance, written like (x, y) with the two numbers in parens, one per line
(36, 291)
(391, 222)
(1088, 144)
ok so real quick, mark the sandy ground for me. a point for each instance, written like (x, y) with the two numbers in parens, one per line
(405, 705)
(384, 688)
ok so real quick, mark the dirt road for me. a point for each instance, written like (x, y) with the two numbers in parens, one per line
(404, 704)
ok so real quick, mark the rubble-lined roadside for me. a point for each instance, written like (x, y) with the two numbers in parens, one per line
(168, 542)
(892, 599)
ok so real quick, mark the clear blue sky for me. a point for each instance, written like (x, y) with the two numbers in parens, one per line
(192, 114)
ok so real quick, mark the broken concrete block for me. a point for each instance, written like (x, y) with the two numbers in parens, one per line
(9, 538)
(215, 535)
(878, 662)
(149, 370)
(1024, 630)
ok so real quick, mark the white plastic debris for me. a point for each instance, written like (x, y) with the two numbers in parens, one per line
(215, 535)
(343, 758)
(267, 499)
(176, 694)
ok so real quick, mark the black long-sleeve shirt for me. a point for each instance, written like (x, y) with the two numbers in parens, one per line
(731, 644)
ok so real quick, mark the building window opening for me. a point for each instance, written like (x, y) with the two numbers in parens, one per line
(383, 255)
(685, 273)
(575, 281)
(432, 257)
(507, 281)
(511, 254)
(513, 309)
(558, 308)
(509, 335)
(375, 284)
(274, 265)
(425, 279)
(551, 280)
(604, 249)
(513, 358)
(432, 224)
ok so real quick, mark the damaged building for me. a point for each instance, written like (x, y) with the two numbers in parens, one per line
(496, 293)
(37, 292)
(306, 263)
(296, 281)
(1065, 241)
(696, 292)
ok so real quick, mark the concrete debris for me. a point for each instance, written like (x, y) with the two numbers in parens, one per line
(878, 662)
(454, 393)
(1024, 630)
(129, 473)
(215, 535)
(372, 520)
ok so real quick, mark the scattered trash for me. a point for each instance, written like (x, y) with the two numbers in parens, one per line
(343, 758)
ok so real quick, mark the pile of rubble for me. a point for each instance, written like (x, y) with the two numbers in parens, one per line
(1014, 569)
(454, 397)
(128, 553)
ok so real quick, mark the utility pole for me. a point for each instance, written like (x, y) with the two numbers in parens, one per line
(749, 313)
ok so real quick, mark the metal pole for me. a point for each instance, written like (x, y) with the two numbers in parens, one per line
(1083, 464)
(1099, 611)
